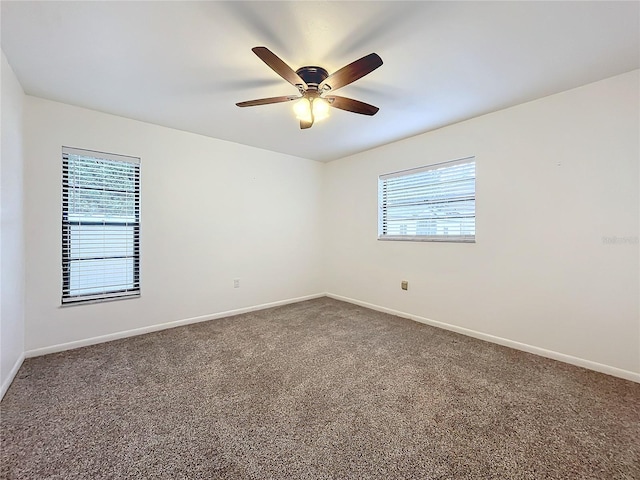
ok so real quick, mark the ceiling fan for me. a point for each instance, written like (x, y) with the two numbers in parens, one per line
(314, 85)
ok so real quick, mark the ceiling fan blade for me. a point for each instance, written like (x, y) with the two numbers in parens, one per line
(351, 105)
(267, 101)
(278, 66)
(351, 72)
(304, 125)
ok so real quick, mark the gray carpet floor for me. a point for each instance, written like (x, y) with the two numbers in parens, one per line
(315, 390)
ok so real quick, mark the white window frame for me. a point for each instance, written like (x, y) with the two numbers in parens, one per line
(452, 226)
(105, 240)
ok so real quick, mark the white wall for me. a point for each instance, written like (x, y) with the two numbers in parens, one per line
(11, 228)
(554, 177)
(211, 211)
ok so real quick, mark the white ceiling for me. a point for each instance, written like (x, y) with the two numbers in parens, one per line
(185, 64)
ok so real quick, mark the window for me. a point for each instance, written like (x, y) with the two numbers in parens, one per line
(100, 226)
(432, 203)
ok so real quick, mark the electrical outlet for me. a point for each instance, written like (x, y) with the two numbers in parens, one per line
(404, 285)
(236, 283)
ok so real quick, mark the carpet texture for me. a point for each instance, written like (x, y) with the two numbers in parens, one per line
(315, 390)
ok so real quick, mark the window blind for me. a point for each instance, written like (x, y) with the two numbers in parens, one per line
(431, 203)
(100, 226)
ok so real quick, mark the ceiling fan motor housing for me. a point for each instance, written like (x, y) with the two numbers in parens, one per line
(312, 76)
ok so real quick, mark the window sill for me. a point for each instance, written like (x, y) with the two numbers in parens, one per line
(88, 301)
(408, 238)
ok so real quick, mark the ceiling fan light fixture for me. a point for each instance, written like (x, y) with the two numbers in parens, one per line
(320, 109)
(302, 109)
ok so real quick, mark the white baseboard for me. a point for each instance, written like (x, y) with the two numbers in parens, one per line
(580, 362)
(162, 326)
(12, 374)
